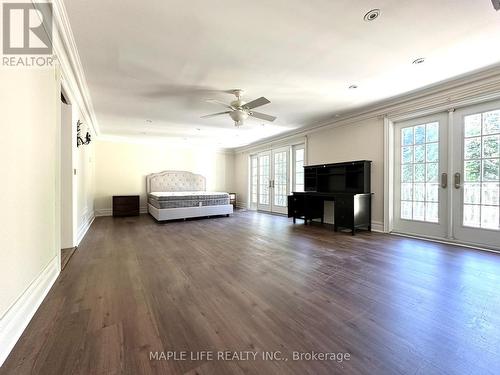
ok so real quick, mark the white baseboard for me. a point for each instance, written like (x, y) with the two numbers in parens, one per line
(82, 231)
(109, 211)
(378, 226)
(448, 242)
(15, 321)
(103, 212)
(240, 204)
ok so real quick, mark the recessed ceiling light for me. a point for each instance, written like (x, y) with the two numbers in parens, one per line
(420, 60)
(353, 87)
(372, 15)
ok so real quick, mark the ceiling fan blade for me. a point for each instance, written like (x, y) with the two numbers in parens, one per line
(216, 114)
(221, 103)
(262, 116)
(257, 103)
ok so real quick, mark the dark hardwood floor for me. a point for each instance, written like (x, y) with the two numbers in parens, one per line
(256, 282)
(66, 255)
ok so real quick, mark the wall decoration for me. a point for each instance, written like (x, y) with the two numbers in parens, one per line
(79, 140)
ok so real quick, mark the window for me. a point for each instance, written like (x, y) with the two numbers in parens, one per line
(280, 180)
(420, 172)
(264, 172)
(298, 168)
(254, 179)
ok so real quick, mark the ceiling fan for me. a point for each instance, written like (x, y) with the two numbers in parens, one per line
(240, 110)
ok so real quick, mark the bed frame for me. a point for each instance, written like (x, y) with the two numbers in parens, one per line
(181, 181)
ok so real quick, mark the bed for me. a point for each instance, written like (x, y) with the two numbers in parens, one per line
(181, 195)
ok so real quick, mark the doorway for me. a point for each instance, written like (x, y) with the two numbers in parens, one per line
(68, 236)
(270, 179)
(446, 176)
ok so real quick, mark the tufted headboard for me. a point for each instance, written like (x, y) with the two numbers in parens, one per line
(175, 181)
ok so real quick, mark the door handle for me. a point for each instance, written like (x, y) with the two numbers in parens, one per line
(457, 180)
(444, 180)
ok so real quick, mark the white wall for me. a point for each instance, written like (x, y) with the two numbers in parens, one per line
(122, 166)
(29, 150)
(360, 141)
(68, 234)
(241, 178)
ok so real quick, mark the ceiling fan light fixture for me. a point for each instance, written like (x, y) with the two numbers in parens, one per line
(372, 15)
(240, 110)
(239, 115)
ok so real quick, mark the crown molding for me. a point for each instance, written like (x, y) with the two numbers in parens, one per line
(471, 88)
(73, 76)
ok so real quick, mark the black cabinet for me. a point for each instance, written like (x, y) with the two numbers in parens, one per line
(346, 177)
(125, 205)
(303, 207)
(346, 184)
(352, 211)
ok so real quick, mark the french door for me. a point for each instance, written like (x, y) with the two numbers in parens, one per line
(448, 185)
(420, 176)
(273, 180)
(476, 181)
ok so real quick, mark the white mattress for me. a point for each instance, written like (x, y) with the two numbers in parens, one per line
(176, 199)
(190, 194)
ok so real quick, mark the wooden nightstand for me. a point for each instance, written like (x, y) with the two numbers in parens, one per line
(125, 205)
(232, 199)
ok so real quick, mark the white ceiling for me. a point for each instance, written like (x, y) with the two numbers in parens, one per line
(159, 60)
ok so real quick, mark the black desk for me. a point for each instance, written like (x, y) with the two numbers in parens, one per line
(351, 210)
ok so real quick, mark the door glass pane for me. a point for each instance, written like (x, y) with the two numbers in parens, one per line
(481, 206)
(264, 167)
(280, 178)
(254, 178)
(420, 172)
